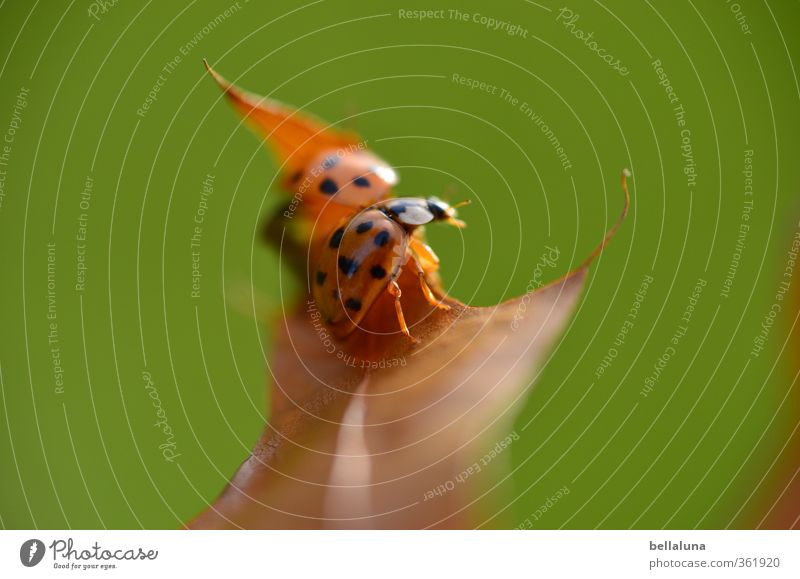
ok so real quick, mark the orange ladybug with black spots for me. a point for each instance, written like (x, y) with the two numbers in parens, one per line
(364, 256)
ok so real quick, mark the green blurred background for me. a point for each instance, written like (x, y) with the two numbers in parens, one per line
(702, 449)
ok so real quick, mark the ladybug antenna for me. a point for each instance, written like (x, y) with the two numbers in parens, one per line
(452, 219)
(449, 191)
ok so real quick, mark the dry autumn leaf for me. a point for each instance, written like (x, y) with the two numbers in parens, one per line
(781, 495)
(370, 431)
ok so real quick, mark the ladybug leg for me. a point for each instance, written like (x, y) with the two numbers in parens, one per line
(428, 260)
(426, 291)
(394, 289)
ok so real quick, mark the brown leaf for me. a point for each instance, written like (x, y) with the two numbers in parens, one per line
(292, 135)
(364, 431)
(348, 446)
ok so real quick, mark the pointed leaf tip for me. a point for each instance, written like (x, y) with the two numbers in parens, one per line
(294, 136)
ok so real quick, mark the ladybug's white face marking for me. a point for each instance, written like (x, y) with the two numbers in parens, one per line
(415, 215)
(409, 211)
(439, 208)
(386, 173)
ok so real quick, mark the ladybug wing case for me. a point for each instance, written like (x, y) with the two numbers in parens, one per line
(356, 264)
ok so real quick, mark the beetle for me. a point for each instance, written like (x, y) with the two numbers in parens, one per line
(358, 237)
(365, 255)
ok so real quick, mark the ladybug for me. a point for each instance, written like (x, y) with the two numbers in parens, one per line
(358, 237)
(353, 178)
(365, 255)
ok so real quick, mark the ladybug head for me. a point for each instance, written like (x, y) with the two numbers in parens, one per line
(441, 211)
